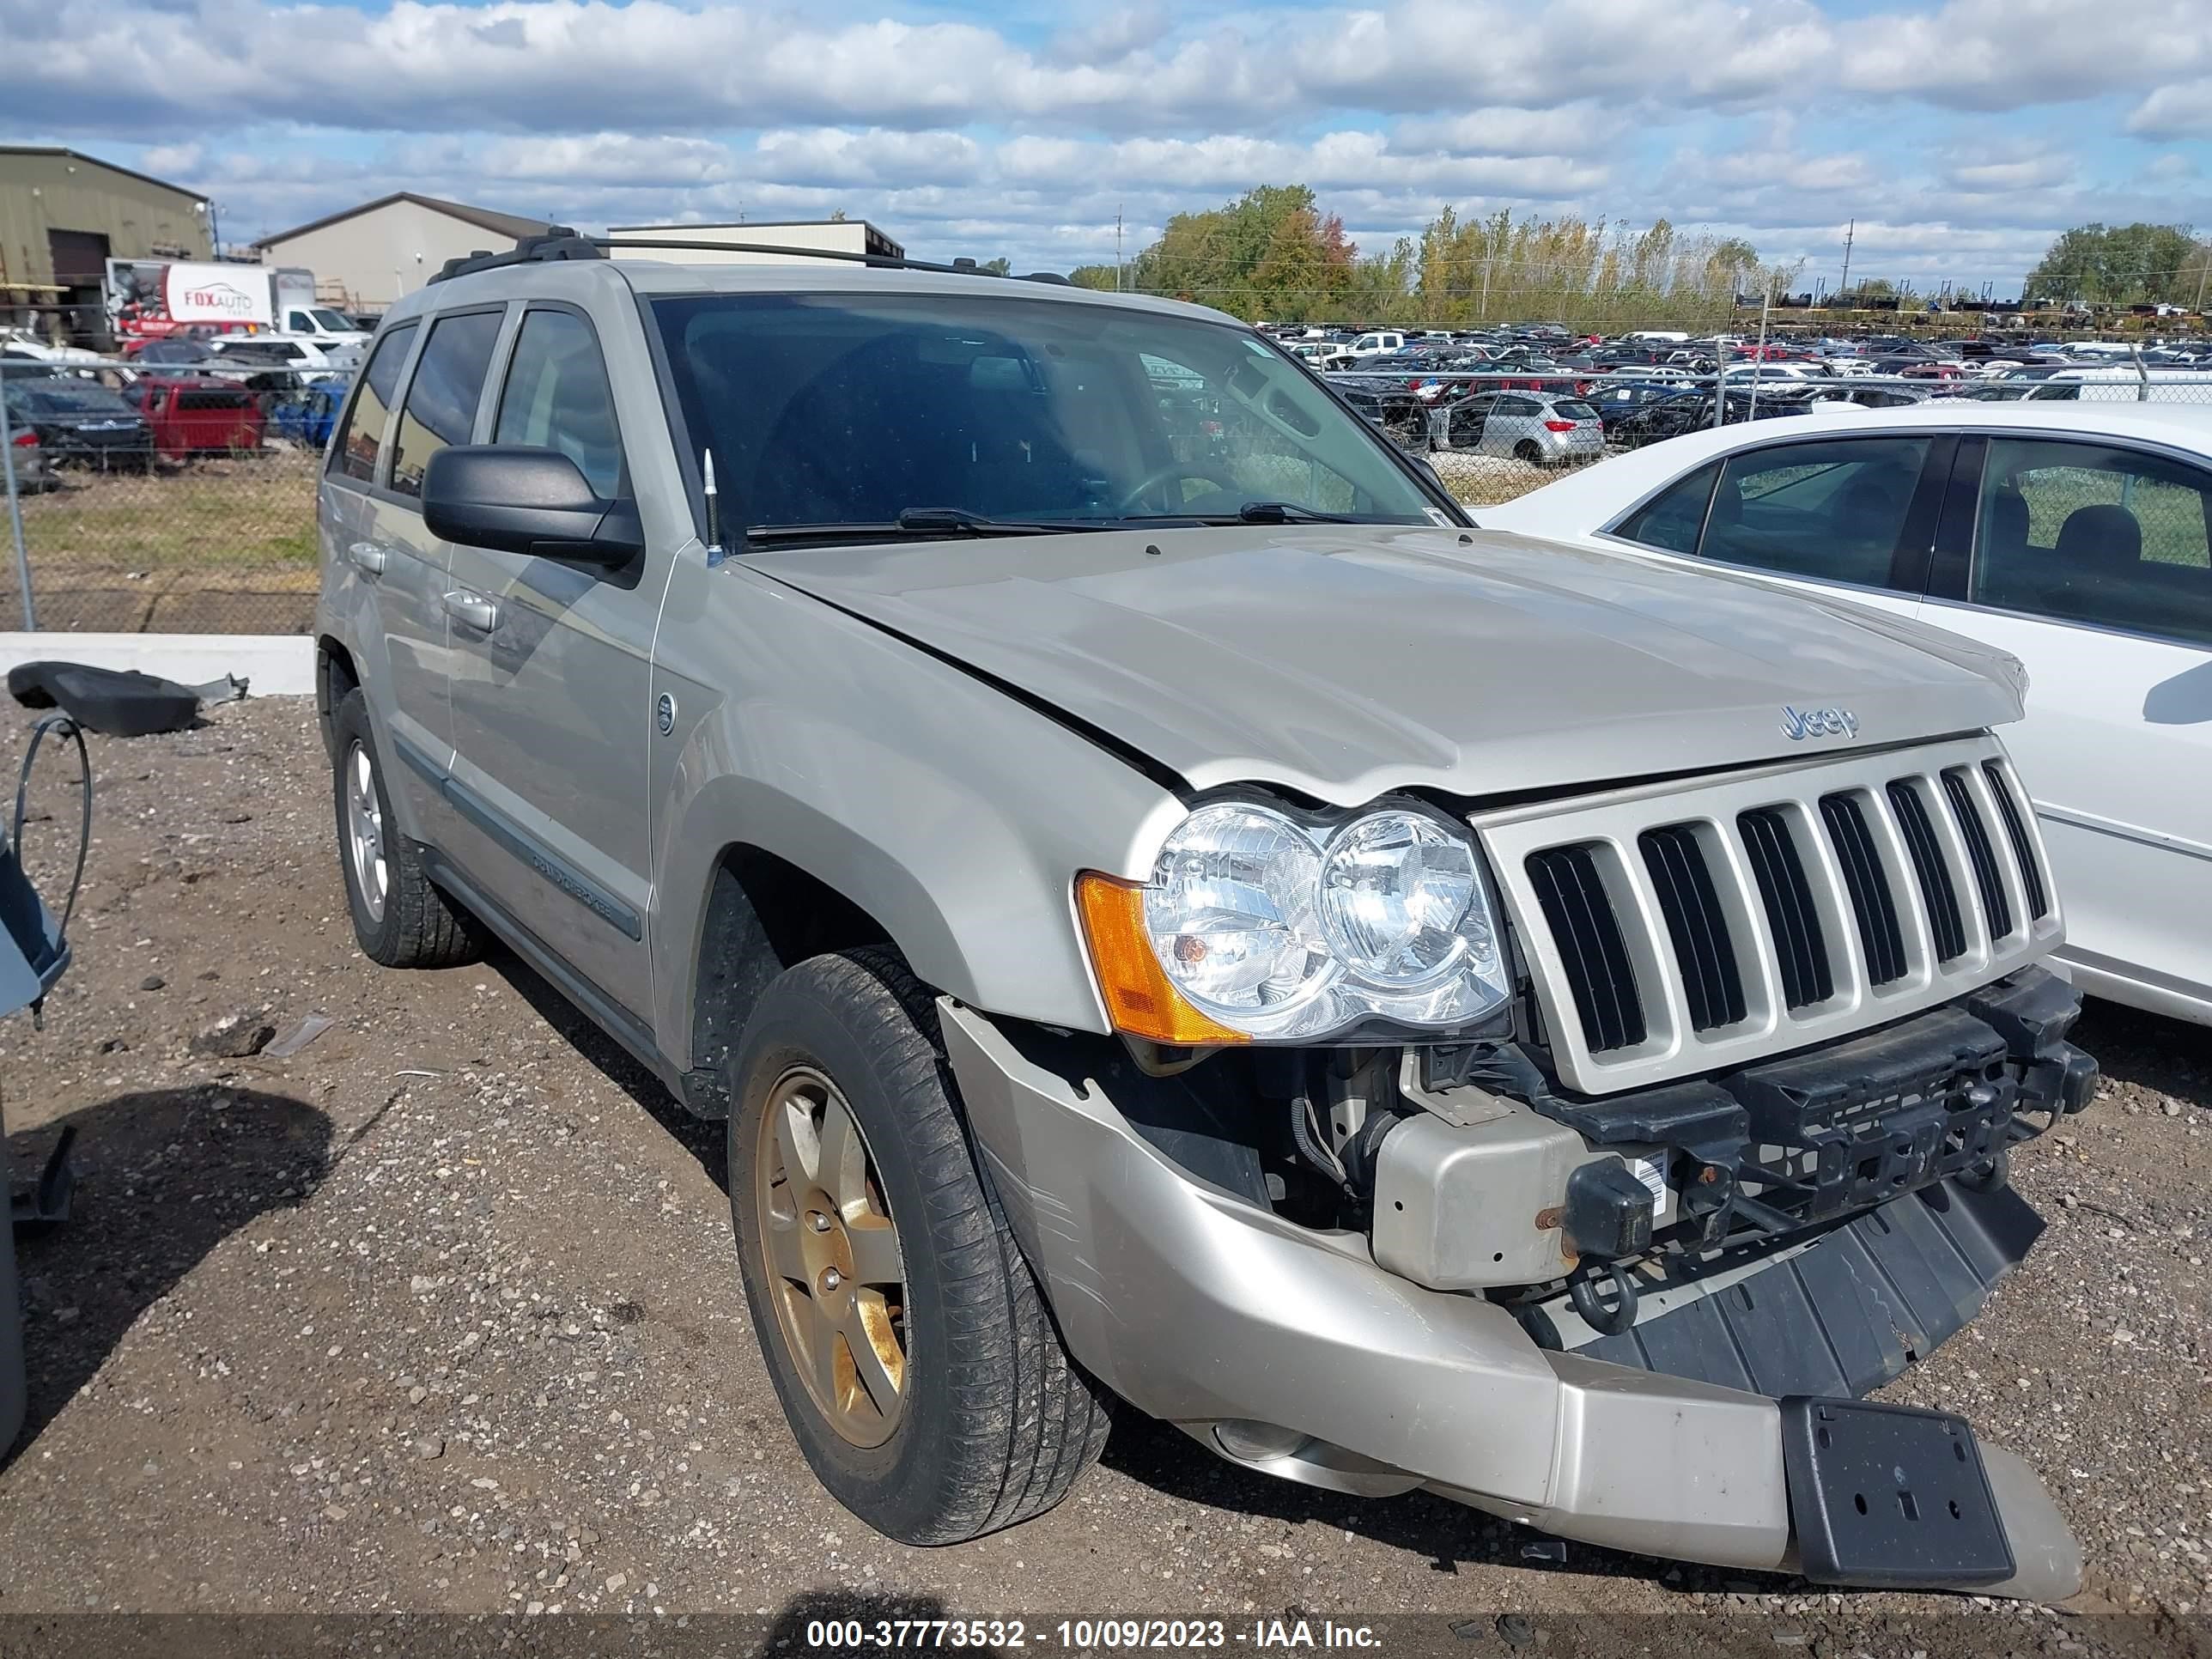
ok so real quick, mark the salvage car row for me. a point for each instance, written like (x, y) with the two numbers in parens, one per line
(1640, 389)
(107, 417)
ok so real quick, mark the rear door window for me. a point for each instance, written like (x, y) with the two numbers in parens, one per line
(362, 435)
(1829, 511)
(441, 399)
(2083, 532)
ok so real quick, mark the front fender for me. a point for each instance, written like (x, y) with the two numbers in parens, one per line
(955, 815)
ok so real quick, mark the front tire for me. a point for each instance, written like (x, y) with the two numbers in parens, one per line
(400, 918)
(915, 1357)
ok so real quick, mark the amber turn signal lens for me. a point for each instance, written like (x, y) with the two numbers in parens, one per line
(1139, 999)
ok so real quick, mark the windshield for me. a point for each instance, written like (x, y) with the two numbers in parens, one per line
(851, 409)
(330, 320)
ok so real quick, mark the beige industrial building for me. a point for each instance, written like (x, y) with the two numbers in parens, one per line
(63, 216)
(794, 237)
(367, 257)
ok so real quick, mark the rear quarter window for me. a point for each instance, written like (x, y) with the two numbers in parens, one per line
(353, 453)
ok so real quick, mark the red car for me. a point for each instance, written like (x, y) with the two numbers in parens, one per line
(192, 416)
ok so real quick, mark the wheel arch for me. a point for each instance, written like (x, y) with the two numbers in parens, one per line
(761, 916)
(335, 675)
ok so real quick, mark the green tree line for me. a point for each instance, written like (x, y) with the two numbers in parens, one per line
(1273, 254)
(2125, 264)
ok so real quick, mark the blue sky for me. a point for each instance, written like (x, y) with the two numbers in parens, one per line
(1960, 135)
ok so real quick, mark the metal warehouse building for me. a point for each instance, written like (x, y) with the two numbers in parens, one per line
(63, 216)
(366, 258)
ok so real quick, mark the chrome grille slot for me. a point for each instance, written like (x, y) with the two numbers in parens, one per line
(1936, 891)
(1881, 938)
(1582, 918)
(1997, 908)
(1682, 879)
(1800, 949)
(1676, 928)
(2023, 849)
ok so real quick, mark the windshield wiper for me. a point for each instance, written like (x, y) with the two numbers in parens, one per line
(918, 524)
(941, 519)
(1284, 513)
(1256, 513)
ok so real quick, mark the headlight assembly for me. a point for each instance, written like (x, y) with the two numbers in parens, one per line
(1258, 926)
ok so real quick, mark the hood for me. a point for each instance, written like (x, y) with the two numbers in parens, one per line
(1345, 661)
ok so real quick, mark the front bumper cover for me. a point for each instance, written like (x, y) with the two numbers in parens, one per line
(1200, 1307)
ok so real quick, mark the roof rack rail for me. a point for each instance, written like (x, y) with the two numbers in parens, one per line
(558, 242)
(562, 242)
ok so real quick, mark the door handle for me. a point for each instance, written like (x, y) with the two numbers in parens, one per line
(367, 557)
(472, 609)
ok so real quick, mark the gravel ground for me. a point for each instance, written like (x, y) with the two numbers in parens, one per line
(439, 1314)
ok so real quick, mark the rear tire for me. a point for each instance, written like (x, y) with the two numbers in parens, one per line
(1526, 450)
(401, 920)
(989, 1421)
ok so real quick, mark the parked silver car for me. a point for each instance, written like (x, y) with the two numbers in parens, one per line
(1180, 914)
(1543, 428)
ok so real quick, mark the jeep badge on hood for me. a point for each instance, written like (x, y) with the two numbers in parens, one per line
(1799, 724)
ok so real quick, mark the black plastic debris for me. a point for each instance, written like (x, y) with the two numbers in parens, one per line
(116, 703)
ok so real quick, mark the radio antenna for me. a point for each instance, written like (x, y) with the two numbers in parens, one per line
(714, 512)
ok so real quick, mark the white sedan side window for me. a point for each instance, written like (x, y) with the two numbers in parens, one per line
(1831, 511)
(2088, 533)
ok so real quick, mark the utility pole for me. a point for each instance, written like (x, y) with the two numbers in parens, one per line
(1849, 235)
(1117, 249)
(1765, 301)
(2205, 250)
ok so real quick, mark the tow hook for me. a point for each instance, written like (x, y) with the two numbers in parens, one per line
(1605, 1321)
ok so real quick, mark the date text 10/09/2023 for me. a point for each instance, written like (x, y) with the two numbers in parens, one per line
(1079, 1634)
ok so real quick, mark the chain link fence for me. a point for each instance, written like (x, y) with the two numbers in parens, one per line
(146, 502)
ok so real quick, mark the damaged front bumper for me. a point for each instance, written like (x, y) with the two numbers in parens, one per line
(1289, 1350)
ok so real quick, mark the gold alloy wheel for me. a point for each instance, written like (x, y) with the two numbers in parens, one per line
(832, 1254)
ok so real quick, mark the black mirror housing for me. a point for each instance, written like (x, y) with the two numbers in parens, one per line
(519, 498)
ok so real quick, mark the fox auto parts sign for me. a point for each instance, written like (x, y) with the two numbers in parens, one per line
(157, 296)
(217, 293)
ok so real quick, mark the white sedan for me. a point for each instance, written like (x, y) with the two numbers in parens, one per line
(2077, 537)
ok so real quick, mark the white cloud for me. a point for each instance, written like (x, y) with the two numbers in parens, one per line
(1577, 128)
(2008, 54)
(1745, 116)
(659, 66)
(2182, 110)
(2022, 172)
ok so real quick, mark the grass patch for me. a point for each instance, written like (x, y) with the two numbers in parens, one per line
(252, 513)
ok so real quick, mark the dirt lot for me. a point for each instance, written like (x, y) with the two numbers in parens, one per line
(440, 1314)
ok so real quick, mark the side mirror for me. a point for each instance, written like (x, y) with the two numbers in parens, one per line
(518, 498)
